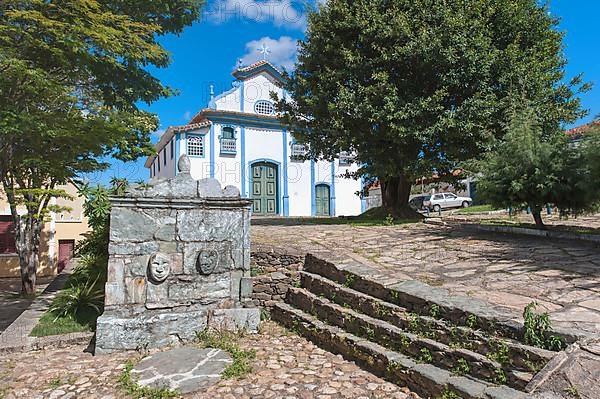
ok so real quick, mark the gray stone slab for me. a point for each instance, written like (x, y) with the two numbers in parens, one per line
(151, 330)
(184, 369)
(576, 369)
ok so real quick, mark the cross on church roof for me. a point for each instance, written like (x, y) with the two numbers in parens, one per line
(265, 51)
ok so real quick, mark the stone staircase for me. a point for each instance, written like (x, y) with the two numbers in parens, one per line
(438, 345)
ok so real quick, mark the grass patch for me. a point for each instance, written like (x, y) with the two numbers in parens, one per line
(228, 341)
(478, 209)
(131, 388)
(51, 324)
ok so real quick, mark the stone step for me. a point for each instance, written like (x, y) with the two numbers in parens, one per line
(522, 357)
(419, 298)
(426, 379)
(456, 360)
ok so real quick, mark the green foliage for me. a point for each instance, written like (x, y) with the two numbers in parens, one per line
(472, 321)
(537, 327)
(573, 391)
(426, 356)
(78, 299)
(389, 220)
(265, 314)
(131, 388)
(533, 167)
(434, 310)
(227, 341)
(414, 322)
(349, 280)
(501, 352)
(49, 324)
(500, 376)
(462, 367)
(369, 332)
(73, 75)
(448, 394)
(478, 208)
(78, 305)
(415, 88)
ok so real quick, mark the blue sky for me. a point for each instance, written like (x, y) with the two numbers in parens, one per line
(207, 52)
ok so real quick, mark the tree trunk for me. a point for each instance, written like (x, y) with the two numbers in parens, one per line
(28, 244)
(395, 192)
(537, 217)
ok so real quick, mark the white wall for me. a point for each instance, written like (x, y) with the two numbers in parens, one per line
(263, 144)
(257, 88)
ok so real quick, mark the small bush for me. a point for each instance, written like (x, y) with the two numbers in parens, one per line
(78, 300)
(537, 327)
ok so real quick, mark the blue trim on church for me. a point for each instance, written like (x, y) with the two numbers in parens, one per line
(313, 198)
(243, 160)
(248, 120)
(177, 151)
(332, 190)
(212, 151)
(286, 197)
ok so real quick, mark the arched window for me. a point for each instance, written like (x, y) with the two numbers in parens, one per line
(195, 146)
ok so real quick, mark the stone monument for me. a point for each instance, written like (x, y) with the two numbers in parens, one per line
(179, 262)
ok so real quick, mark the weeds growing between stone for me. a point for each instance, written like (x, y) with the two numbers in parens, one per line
(131, 387)
(228, 341)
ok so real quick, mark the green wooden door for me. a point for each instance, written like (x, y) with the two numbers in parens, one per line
(264, 188)
(322, 199)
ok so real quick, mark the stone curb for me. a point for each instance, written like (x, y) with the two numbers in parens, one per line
(51, 341)
(595, 238)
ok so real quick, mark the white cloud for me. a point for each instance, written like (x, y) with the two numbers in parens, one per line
(283, 51)
(187, 116)
(288, 13)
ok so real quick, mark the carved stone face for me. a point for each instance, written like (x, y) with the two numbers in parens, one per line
(159, 267)
(206, 261)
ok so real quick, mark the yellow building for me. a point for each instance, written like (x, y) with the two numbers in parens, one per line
(61, 232)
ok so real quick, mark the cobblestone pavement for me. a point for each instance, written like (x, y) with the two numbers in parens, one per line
(11, 303)
(286, 366)
(563, 276)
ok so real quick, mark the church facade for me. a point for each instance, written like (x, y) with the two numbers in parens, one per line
(239, 140)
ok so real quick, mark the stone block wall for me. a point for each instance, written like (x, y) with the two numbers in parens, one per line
(274, 272)
(179, 261)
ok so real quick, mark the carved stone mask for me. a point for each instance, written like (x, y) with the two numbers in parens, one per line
(159, 267)
(206, 261)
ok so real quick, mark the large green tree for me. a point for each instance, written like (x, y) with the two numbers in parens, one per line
(415, 87)
(72, 73)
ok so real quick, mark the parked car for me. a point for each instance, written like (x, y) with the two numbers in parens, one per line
(416, 202)
(440, 201)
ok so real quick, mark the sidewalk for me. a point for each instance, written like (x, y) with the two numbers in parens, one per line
(16, 337)
(11, 302)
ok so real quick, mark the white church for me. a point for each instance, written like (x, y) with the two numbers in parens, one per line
(239, 140)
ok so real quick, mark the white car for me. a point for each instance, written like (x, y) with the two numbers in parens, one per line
(440, 201)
